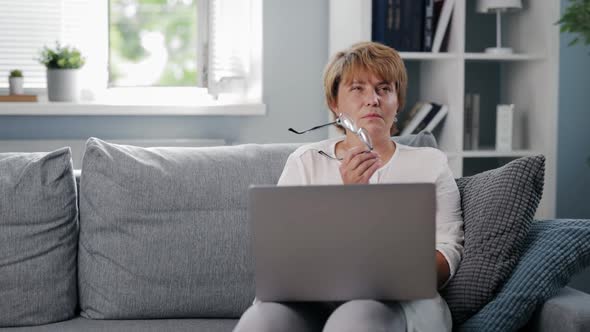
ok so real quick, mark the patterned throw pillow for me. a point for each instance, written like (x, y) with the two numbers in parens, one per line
(498, 210)
(555, 250)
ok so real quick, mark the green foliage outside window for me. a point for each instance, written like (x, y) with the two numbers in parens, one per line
(144, 32)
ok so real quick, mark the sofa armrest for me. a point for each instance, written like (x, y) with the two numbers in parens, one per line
(567, 311)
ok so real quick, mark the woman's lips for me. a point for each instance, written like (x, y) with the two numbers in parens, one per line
(369, 116)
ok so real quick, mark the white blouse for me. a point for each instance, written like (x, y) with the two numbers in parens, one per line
(408, 164)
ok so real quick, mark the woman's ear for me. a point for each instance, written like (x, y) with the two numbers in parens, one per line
(333, 108)
(334, 113)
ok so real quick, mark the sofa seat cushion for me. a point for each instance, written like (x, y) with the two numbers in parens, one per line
(567, 311)
(38, 238)
(151, 325)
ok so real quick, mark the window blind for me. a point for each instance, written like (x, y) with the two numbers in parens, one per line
(229, 45)
(26, 27)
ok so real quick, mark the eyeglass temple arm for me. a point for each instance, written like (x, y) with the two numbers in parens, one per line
(327, 155)
(314, 128)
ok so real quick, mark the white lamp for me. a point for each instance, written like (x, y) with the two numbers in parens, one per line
(498, 7)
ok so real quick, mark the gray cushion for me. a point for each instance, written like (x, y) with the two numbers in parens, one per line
(164, 232)
(554, 251)
(498, 210)
(80, 324)
(422, 139)
(38, 238)
(567, 311)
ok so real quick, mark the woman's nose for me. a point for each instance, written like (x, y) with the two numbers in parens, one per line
(372, 98)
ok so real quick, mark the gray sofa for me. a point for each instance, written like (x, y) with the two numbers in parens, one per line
(160, 242)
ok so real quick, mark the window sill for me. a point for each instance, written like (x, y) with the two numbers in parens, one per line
(44, 108)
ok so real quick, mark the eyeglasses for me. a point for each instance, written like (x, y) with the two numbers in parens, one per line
(345, 122)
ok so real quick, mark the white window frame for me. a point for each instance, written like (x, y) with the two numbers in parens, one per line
(98, 98)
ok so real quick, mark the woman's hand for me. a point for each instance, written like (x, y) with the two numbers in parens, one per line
(359, 165)
(442, 269)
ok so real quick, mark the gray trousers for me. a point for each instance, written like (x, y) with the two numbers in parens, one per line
(357, 315)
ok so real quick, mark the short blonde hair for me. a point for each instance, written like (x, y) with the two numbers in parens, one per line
(376, 58)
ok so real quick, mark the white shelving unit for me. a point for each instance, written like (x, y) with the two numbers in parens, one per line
(528, 78)
(498, 154)
(496, 57)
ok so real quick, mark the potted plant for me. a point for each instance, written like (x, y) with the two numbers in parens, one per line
(576, 20)
(63, 64)
(15, 82)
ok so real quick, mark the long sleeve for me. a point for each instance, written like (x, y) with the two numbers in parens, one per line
(449, 220)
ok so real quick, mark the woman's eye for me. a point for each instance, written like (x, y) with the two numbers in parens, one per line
(385, 89)
(355, 88)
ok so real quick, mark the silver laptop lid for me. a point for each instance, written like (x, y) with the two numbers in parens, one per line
(336, 243)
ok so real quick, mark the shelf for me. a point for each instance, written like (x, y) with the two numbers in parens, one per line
(452, 154)
(502, 57)
(498, 154)
(428, 56)
(470, 56)
(98, 109)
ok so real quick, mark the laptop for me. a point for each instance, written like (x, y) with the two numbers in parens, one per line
(343, 242)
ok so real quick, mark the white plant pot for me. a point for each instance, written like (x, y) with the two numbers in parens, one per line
(62, 84)
(15, 86)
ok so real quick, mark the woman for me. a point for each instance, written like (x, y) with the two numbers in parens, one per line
(368, 83)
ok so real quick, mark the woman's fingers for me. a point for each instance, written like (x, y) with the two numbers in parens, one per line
(360, 158)
(372, 169)
(359, 165)
(354, 151)
(366, 169)
(362, 173)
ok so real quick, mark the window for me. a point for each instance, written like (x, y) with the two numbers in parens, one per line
(153, 42)
(167, 47)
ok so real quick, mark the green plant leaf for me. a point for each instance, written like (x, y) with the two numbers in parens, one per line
(15, 73)
(61, 57)
(576, 20)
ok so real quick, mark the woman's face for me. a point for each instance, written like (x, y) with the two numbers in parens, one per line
(370, 102)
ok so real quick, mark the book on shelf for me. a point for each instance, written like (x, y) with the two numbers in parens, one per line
(410, 25)
(504, 124)
(475, 107)
(443, 12)
(379, 21)
(414, 116)
(428, 26)
(467, 120)
(385, 22)
(434, 118)
(423, 116)
(471, 122)
(18, 98)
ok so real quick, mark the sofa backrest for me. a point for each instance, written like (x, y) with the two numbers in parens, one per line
(164, 232)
